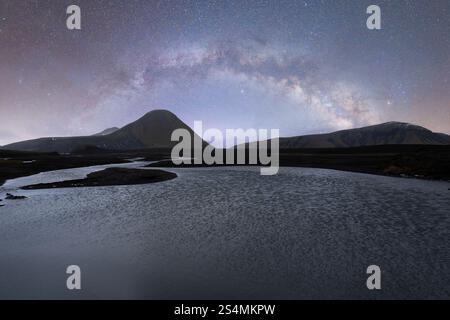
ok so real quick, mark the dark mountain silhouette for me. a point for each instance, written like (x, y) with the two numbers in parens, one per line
(389, 133)
(153, 130)
(107, 131)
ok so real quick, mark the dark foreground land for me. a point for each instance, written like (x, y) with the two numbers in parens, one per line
(15, 164)
(110, 177)
(421, 161)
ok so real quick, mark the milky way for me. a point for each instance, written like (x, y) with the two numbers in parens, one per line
(300, 66)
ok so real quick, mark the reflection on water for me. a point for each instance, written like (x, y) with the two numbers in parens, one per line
(228, 233)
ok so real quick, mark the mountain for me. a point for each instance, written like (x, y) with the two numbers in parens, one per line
(153, 130)
(389, 133)
(107, 131)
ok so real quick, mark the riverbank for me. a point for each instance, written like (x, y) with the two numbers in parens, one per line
(418, 161)
(16, 164)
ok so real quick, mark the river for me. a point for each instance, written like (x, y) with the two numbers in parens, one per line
(228, 233)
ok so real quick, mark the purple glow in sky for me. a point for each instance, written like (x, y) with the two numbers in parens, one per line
(300, 66)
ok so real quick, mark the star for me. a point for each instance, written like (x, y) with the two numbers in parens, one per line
(304, 62)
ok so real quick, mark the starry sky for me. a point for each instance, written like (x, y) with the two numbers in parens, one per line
(299, 66)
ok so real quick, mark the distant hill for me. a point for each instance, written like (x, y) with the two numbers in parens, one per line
(389, 133)
(107, 131)
(153, 130)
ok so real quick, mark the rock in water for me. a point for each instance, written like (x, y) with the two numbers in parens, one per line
(10, 196)
(111, 177)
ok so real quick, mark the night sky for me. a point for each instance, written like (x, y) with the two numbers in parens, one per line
(300, 66)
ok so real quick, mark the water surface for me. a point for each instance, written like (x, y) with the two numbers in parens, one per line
(228, 233)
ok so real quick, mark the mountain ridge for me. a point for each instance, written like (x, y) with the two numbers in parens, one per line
(387, 133)
(153, 130)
